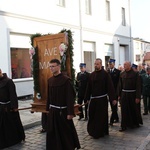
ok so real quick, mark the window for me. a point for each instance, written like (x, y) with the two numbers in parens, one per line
(89, 55)
(20, 63)
(123, 17)
(20, 58)
(107, 10)
(88, 7)
(89, 58)
(61, 3)
(141, 46)
(137, 45)
(147, 47)
(109, 50)
(137, 57)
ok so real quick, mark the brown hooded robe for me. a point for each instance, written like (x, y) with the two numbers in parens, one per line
(11, 129)
(61, 132)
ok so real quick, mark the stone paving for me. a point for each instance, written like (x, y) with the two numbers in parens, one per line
(29, 119)
(135, 139)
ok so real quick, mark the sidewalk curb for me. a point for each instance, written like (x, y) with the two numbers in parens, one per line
(145, 143)
(32, 124)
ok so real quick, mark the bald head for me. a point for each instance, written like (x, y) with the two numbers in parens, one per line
(127, 65)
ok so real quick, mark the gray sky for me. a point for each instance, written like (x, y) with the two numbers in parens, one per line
(140, 19)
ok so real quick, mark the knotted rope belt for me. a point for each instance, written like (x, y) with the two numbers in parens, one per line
(98, 96)
(58, 107)
(4, 103)
(128, 90)
(93, 98)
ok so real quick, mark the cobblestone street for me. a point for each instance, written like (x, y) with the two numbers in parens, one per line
(135, 139)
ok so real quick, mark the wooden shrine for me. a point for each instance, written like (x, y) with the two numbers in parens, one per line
(48, 47)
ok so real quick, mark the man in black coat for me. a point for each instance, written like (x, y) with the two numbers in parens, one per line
(81, 83)
(114, 73)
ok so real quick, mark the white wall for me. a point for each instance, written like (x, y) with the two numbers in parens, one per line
(31, 16)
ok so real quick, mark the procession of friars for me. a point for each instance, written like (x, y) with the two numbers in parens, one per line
(91, 91)
(98, 92)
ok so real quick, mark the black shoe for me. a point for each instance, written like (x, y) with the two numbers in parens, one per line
(137, 126)
(107, 133)
(145, 113)
(42, 130)
(85, 119)
(116, 121)
(80, 117)
(111, 124)
(95, 137)
(122, 129)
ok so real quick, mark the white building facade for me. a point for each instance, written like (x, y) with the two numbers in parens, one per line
(101, 29)
(141, 49)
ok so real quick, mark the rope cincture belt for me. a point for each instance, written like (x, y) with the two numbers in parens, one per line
(98, 96)
(128, 90)
(58, 107)
(4, 103)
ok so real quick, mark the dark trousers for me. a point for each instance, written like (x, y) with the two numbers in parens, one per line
(80, 101)
(114, 115)
(146, 101)
(44, 120)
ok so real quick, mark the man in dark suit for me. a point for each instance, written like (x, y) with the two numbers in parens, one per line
(115, 74)
(142, 69)
(81, 83)
(145, 91)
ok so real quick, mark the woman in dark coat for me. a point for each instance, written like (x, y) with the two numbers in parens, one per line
(11, 129)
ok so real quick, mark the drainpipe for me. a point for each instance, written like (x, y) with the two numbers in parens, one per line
(131, 46)
(80, 28)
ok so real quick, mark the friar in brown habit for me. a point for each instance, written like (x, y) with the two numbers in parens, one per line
(99, 88)
(61, 132)
(129, 91)
(11, 129)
